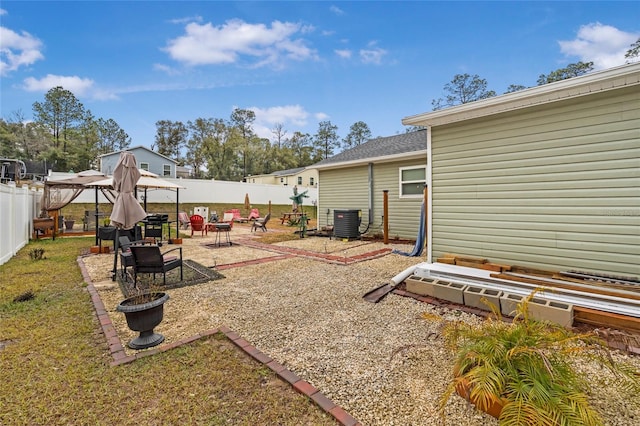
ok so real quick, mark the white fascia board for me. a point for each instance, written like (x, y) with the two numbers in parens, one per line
(613, 78)
(363, 161)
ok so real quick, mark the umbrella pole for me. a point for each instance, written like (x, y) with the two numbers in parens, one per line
(96, 215)
(116, 243)
(178, 213)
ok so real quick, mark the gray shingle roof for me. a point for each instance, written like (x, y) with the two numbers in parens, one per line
(288, 172)
(381, 147)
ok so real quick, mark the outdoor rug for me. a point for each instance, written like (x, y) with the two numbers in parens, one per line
(193, 273)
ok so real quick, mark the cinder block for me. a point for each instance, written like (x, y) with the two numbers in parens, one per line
(540, 309)
(508, 303)
(473, 297)
(420, 285)
(453, 292)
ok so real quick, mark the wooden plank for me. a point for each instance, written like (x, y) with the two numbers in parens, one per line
(447, 260)
(531, 271)
(605, 319)
(568, 285)
(470, 259)
(618, 286)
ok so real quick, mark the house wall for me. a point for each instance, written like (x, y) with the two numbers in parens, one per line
(348, 188)
(156, 162)
(288, 180)
(343, 189)
(555, 186)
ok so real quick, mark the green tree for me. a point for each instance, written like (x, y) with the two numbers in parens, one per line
(326, 139)
(300, 148)
(111, 137)
(633, 52)
(60, 112)
(410, 129)
(8, 140)
(462, 89)
(570, 71)
(171, 136)
(242, 119)
(218, 150)
(359, 133)
(201, 131)
(515, 88)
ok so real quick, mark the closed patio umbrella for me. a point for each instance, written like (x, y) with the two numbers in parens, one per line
(126, 209)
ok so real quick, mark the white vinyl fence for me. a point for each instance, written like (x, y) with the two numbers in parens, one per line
(18, 207)
(209, 192)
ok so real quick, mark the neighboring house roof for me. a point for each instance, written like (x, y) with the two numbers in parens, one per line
(134, 148)
(279, 173)
(601, 81)
(288, 172)
(380, 149)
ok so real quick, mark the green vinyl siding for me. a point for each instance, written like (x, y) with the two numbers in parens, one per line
(404, 213)
(348, 188)
(343, 189)
(555, 186)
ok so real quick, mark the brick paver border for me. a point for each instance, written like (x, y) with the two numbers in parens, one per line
(120, 357)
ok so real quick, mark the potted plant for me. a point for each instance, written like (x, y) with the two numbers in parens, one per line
(143, 312)
(525, 372)
(69, 222)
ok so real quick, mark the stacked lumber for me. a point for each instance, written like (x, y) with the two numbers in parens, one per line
(590, 282)
(473, 262)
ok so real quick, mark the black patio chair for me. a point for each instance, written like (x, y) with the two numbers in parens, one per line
(149, 260)
(126, 258)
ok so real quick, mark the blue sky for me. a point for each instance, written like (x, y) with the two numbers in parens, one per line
(294, 63)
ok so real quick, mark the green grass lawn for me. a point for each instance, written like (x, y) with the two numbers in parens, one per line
(54, 362)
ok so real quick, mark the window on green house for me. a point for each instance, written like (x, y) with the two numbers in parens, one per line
(412, 181)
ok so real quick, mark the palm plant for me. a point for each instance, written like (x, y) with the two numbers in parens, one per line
(529, 367)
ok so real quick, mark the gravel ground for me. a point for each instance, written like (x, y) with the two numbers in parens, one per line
(381, 362)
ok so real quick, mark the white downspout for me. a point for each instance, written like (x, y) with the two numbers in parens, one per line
(429, 208)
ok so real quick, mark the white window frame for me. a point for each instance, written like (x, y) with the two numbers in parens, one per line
(166, 173)
(311, 181)
(144, 166)
(299, 180)
(401, 182)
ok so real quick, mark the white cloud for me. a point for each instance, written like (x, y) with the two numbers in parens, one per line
(187, 19)
(78, 86)
(321, 116)
(604, 45)
(166, 69)
(3, 12)
(292, 116)
(336, 10)
(344, 53)
(17, 50)
(236, 39)
(372, 56)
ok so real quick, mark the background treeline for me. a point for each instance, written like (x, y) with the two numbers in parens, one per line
(65, 136)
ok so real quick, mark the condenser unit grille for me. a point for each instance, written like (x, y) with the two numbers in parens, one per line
(346, 223)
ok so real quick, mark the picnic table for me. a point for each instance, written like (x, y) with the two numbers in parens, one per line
(293, 217)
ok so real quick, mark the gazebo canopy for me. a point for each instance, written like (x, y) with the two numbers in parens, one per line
(147, 180)
(59, 193)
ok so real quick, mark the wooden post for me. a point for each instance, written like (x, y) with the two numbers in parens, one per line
(385, 213)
